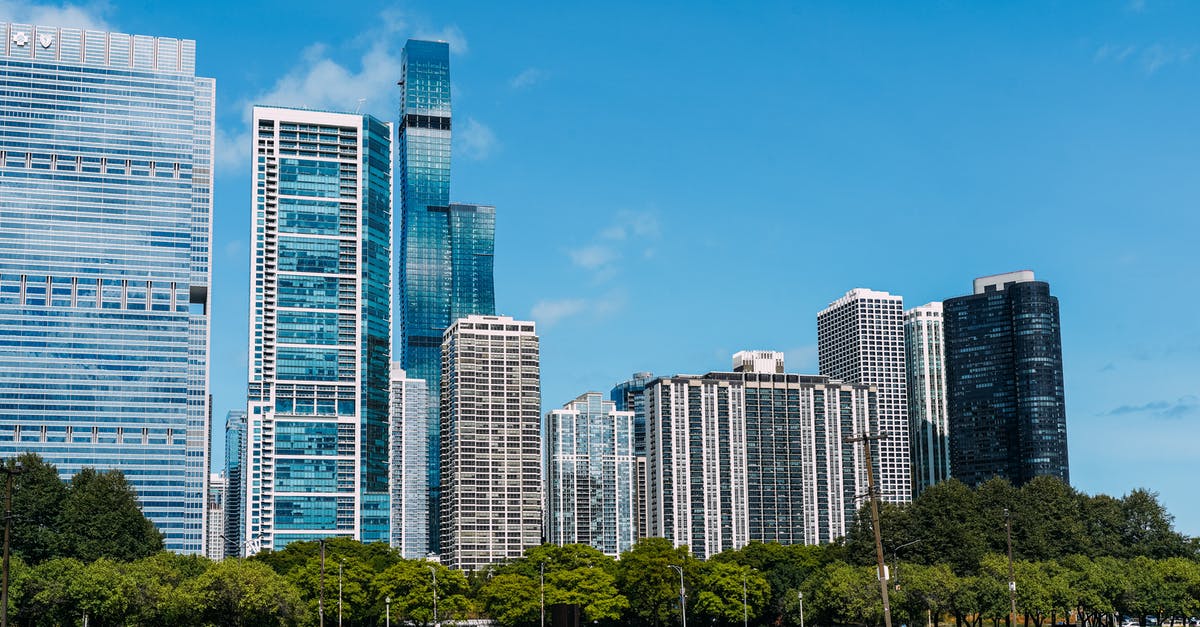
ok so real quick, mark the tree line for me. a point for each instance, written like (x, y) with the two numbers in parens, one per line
(1078, 559)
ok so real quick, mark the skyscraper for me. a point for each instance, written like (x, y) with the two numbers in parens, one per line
(235, 482)
(491, 441)
(106, 176)
(445, 250)
(1004, 381)
(696, 463)
(929, 433)
(803, 480)
(590, 475)
(630, 396)
(860, 339)
(214, 547)
(408, 464)
(320, 327)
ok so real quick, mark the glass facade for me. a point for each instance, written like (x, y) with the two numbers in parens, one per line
(409, 461)
(317, 413)
(1004, 381)
(106, 170)
(590, 475)
(235, 481)
(929, 430)
(445, 264)
(631, 396)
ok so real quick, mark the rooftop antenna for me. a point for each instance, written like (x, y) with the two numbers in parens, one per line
(360, 104)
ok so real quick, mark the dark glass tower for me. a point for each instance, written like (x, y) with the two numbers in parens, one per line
(1004, 382)
(446, 249)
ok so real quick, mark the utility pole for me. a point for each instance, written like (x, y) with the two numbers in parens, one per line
(873, 495)
(9, 471)
(1012, 580)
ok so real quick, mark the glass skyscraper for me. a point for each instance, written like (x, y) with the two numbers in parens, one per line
(929, 429)
(317, 415)
(235, 481)
(445, 264)
(631, 396)
(1004, 381)
(590, 475)
(408, 465)
(105, 205)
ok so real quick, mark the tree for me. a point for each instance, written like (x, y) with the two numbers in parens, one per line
(410, 585)
(593, 589)
(720, 592)
(948, 517)
(785, 567)
(645, 578)
(44, 596)
(845, 594)
(100, 517)
(37, 498)
(240, 593)
(510, 599)
(1147, 530)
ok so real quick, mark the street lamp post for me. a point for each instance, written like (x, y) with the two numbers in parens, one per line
(542, 592)
(1012, 580)
(9, 471)
(433, 573)
(801, 608)
(682, 595)
(896, 560)
(387, 604)
(341, 563)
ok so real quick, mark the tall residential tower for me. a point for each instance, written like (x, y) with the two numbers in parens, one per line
(590, 475)
(1004, 381)
(491, 441)
(860, 339)
(445, 250)
(317, 415)
(925, 360)
(106, 193)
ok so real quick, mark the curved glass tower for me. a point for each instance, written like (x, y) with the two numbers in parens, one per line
(446, 249)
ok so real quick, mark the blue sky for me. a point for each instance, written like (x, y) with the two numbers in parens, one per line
(678, 181)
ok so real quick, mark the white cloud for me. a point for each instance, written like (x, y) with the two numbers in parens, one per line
(1115, 52)
(549, 312)
(320, 82)
(88, 15)
(593, 257)
(450, 34)
(1158, 55)
(527, 77)
(475, 140)
(231, 153)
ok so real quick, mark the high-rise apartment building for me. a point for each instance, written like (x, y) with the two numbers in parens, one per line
(408, 464)
(445, 249)
(630, 396)
(491, 441)
(860, 339)
(214, 547)
(317, 415)
(235, 482)
(106, 192)
(803, 481)
(929, 432)
(590, 475)
(696, 463)
(1004, 381)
